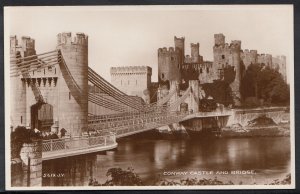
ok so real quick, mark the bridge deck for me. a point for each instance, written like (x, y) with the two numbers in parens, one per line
(60, 148)
(207, 114)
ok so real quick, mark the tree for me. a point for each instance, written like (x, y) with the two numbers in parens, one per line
(263, 82)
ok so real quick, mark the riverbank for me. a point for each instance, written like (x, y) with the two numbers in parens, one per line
(280, 130)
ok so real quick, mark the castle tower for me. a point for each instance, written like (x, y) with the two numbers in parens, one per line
(235, 48)
(195, 53)
(179, 44)
(169, 66)
(132, 80)
(282, 68)
(73, 112)
(18, 87)
(219, 39)
(228, 58)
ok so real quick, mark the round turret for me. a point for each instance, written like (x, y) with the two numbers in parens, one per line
(74, 74)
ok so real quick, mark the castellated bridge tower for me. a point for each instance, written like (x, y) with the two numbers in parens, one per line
(18, 87)
(228, 58)
(73, 104)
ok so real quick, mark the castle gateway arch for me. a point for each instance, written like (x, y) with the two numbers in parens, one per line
(41, 116)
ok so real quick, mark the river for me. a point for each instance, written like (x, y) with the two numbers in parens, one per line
(264, 158)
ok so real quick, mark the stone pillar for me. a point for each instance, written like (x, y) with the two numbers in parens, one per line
(194, 84)
(31, 156)
(174, 86)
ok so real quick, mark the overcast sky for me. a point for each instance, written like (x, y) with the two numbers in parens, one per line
(122, 36)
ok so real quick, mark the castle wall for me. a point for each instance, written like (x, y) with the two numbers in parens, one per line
(248, 57)
(265, 59)
(203, 72)
(279, 63)
(132, 80)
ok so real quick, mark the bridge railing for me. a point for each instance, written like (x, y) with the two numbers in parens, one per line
(136, 124)
(150, 123)
(124, 116)
(215, 113)
(75, 143)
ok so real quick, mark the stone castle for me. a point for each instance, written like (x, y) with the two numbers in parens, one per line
(175, 65)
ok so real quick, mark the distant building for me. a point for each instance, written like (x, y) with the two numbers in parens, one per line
(132, 80)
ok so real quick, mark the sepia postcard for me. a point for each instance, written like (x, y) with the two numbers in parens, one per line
(149, 97)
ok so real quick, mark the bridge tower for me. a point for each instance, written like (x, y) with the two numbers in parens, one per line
(194, 96)
(18, 87)
(73, 111)
(174, 85)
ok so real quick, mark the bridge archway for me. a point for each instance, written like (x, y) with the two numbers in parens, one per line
(41, 116)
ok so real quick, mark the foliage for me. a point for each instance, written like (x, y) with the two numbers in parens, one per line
(251, 102)
(207, 105)
(286, 181)
(119, 177)
(19, 136)
(194, 181)
(262, 120)
(263, 82)
(220, 91)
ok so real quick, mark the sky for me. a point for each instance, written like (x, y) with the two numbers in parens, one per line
(131, 35)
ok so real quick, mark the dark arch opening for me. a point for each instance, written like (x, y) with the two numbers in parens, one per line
(41, 116)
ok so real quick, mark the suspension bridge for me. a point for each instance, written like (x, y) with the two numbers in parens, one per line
(66, 68)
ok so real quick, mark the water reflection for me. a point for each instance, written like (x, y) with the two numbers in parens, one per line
(269, 157)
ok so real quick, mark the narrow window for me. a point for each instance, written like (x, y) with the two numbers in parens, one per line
(162, 76)
(55, 70)
(223, 56)
(32, 72)
(207, 70)
(69, 95)
(44, 71)
(200, 70)
(21, 119)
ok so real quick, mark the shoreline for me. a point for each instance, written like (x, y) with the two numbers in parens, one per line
(280, 130)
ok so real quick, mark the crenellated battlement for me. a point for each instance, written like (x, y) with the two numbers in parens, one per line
(195, 45)
(166, 51)
(66, 38)
(131, 70)
(26, 43)
(236, 44)
(219, 39)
